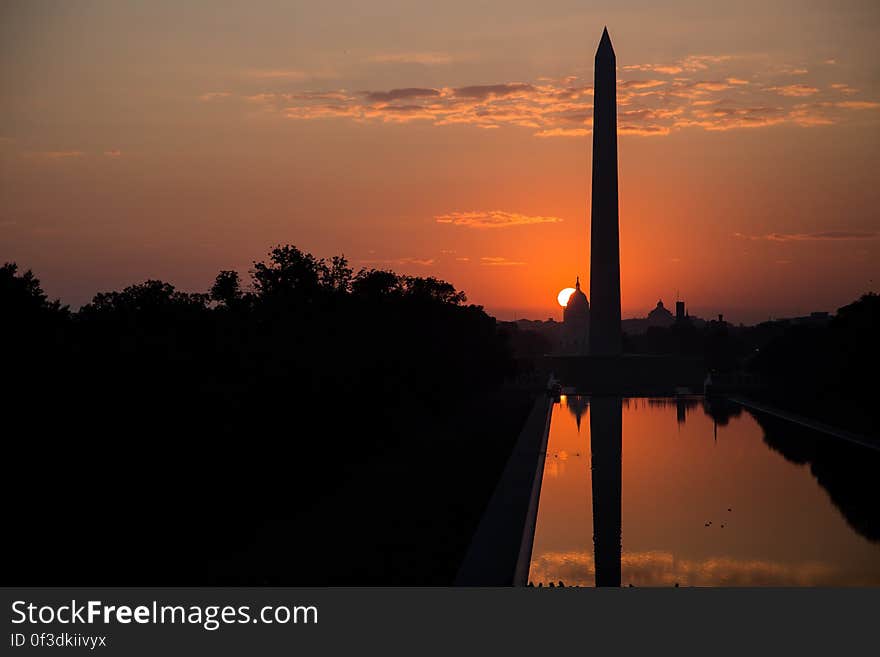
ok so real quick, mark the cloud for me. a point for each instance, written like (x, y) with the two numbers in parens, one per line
(486, 91)
(669, 69)
(794, 70)
(323, 111)
(827, 235)
(702, 62)
(857, 104)
(214, 95)
(400, 94)
(796, 90)
(807, 117)
(643, 130)
(492, 219)
(424, 58)
(731, 118)
(717, 100)
(563, 132)
(399, 113)
(113, 154)
(640, 84)
(844, 88)
(689, 64)
(423, 262)
(266, 98)
(340, 95)
(494, 261)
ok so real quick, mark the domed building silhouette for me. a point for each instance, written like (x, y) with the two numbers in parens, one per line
(576, 322)
(660, 316)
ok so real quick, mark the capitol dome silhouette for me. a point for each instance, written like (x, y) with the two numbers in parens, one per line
(660, 316)
(576, 322)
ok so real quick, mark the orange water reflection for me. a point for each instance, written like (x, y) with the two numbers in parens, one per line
(700, 496)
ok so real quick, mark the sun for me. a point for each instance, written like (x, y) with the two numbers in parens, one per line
(564, 296)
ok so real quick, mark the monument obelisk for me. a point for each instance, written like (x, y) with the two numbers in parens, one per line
(605, 332)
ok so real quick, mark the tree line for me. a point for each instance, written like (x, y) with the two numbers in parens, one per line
(184, 422)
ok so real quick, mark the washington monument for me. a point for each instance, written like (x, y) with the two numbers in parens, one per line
(605, 332)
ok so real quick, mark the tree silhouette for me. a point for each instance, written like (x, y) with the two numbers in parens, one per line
(216, 417)
(226, 289)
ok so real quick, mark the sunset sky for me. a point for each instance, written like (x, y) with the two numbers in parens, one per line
(172, 139)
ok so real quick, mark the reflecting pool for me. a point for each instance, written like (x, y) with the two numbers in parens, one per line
(698, 492)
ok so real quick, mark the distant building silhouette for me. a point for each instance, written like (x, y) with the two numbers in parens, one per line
(660, 316)
(576, 322)
(605, 329)
(577, 406)
(682, 319)
(680, 314)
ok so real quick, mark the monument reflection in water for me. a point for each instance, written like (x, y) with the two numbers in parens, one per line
(659, 492)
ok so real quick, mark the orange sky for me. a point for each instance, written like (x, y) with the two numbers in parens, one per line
(173, 139)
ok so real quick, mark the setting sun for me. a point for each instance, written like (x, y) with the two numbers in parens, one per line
(564, 296)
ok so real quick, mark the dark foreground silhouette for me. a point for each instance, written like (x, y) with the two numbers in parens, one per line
(324, 427)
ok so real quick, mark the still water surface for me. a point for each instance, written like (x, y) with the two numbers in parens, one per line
(658, 492)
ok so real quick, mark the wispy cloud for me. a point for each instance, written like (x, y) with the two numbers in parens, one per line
(731, 118)
(114, 154)
(423, 262)
(401, 94)
(828, 235)
(492, 91)
(496, 261)
(709, 92)
(689, 64)
(844, 88)
(214, 95)
(424, 58)
(563, 132)
(796, 90)
(668, 69)
(857, 104)
(643, 130)
(640, 84)
(492, 219)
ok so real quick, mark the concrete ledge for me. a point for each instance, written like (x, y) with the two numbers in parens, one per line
(863, 441)
(500, 551)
